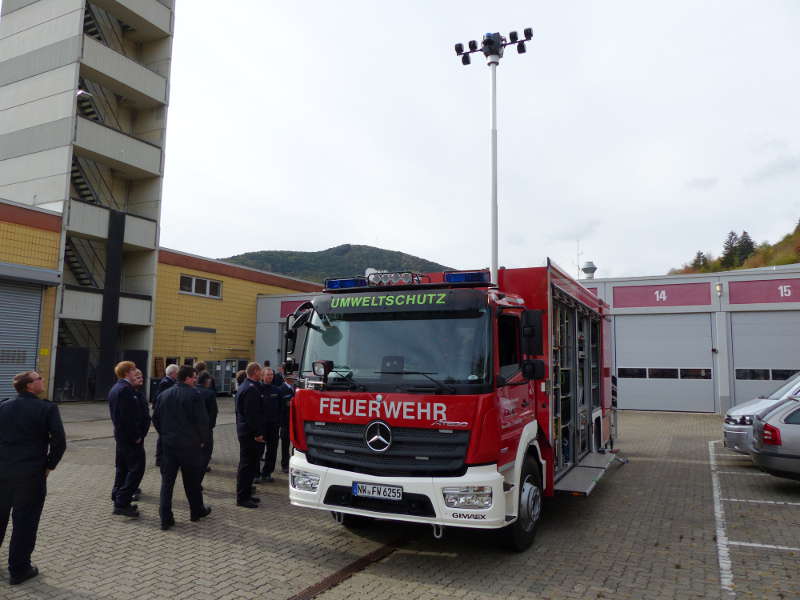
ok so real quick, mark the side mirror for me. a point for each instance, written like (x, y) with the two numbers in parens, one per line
(532, 343)
(291, 341)
(533, 369)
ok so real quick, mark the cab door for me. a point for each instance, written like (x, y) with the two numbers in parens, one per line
(514, 392)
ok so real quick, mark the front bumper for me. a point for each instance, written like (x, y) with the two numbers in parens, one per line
(425, 491)
(738, 438)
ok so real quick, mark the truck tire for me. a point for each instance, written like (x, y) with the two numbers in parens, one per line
(520, 534)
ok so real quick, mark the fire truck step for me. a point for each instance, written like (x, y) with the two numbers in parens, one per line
(582, 478)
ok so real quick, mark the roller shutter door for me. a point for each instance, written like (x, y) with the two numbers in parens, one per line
(20, 306)
(766, 351)
(664, 362)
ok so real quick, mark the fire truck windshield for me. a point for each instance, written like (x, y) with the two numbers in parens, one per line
(404, 351)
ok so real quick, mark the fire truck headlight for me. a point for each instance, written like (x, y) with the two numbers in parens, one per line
(304, 481)
(469, 496)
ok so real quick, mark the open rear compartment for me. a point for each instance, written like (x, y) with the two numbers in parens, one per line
(579, 376)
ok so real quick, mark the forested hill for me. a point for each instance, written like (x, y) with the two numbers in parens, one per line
(342, 261)
(739, 251)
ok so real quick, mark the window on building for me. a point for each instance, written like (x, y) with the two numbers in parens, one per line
(508, 339)
(662, 373)
(695, 373)
(200, 286)
(632, 373)
(171, 360)
(188, 361)
(781, 374)
(753, 374)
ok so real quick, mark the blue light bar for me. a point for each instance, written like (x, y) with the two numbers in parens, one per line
(341, 284)
(467, 277)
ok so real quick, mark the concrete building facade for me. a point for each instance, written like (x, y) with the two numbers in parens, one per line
(84, 88)
(703, 343)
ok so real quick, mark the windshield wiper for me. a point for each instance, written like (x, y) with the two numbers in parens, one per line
(347, 379)
(427, 375)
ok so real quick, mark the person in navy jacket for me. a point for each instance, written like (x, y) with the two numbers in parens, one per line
(32, 442)
(250, 424)
(131, 421)
(164, 384)
(274, 396)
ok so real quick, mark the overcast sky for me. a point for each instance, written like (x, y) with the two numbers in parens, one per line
(645, 130)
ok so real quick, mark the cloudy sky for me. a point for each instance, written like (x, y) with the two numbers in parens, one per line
(645, 130)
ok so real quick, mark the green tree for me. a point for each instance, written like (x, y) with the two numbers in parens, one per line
(745, 247)
(700, 261)
(729, 256)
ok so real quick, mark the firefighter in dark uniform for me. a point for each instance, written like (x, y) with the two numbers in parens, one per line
(131, 421)
(250, 431)
(182, 422)
(32, 441)
(208, 396)
(164, 384)
(274, 398)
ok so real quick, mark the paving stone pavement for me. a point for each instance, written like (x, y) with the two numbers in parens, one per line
(647, 531)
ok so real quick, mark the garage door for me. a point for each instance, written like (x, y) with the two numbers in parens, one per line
(664, 362)
(20, 304)
(766, 351)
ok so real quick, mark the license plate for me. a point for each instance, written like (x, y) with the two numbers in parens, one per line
(374, 490)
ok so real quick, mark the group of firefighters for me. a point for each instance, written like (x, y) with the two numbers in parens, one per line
(184, 413)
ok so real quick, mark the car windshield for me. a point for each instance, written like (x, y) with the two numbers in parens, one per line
(786, 388)
(401, 349)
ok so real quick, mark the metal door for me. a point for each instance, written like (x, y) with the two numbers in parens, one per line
(766, 351)
(664, 362)
(20, 305)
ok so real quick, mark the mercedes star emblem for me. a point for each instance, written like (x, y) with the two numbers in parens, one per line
(378, 436)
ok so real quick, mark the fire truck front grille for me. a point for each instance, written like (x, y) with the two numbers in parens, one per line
(418, 505)
(413, 452)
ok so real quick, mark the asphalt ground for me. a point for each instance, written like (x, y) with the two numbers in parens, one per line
(650, 529)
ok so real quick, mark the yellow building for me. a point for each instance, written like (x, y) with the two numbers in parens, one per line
(206, 309)
(30, 242)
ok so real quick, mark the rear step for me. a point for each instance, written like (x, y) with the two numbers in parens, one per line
(581, 479)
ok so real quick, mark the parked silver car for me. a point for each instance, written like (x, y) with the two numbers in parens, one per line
(738, 427)
(776, 444)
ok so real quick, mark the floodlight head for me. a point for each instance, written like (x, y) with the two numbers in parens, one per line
(473, 45)
(492, 44)
(521, 47)
(513, 36)
(528, 33)
(465, 60)
(459, 49)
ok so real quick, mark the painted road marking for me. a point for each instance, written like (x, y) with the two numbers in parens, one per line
(742, 473)
(761, 501)
(768, 546)
(723, 552)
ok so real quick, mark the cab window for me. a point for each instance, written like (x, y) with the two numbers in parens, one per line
(508, 342)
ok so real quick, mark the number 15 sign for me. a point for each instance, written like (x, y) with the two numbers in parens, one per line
(764, 291)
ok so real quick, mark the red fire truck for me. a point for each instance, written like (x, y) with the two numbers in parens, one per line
(444, 399)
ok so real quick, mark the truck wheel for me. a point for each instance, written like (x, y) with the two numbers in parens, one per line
(520, 534)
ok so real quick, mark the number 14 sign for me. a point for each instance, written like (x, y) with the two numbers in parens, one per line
(764, 291)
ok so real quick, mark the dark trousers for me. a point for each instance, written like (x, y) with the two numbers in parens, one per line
(159, 451)
(189, 461)
(23, 500)
(271, 449)
(285, 440)
(130, 464)
(249, 453)
(207, 450)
